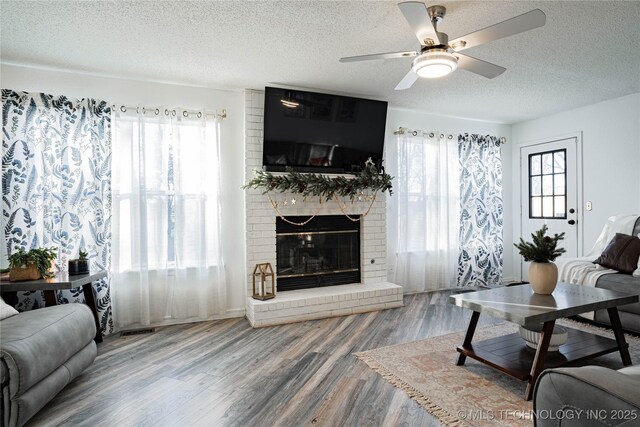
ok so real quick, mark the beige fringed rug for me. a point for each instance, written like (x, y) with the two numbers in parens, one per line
(473, 394)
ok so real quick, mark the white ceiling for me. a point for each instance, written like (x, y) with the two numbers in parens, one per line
(589, 51)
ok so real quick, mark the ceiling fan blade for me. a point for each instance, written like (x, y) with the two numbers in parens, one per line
(407, 81)
(478, 66)
(519, 24)
(390, 55)
(416, 14)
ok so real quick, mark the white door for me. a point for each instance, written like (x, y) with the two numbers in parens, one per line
(549, 182)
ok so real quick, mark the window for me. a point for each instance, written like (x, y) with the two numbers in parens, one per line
(548, 185)
(428, 220)
(429, 190)
(165, 193)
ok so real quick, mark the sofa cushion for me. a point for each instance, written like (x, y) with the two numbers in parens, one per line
(630, 321)
(621, 253)
(35, 343)
(632, 371)
(622, 283)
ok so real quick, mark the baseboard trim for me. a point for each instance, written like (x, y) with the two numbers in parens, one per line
(229, 314)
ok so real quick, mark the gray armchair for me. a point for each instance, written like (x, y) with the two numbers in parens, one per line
(41, 351)
(587, 396)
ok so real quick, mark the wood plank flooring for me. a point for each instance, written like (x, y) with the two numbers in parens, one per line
(224, 373)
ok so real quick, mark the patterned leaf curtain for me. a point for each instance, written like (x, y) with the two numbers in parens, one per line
(56, 185)
(481, 211)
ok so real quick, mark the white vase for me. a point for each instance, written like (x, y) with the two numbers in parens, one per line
(543, 277)
(531, 336)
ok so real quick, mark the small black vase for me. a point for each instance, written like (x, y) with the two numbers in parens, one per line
(78, 266)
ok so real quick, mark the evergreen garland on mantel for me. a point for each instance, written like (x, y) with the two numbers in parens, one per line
(313, 184)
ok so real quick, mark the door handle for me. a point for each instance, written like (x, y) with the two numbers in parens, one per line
(571, 221)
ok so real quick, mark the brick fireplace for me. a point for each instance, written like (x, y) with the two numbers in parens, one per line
(372, 293)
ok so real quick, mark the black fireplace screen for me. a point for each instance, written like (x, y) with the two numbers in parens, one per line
(323, 252)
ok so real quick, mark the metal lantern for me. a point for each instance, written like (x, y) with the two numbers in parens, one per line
(264, 282)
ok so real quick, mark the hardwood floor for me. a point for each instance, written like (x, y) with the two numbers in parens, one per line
(224, 373)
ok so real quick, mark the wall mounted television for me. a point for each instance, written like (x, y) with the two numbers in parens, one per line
(318, 132)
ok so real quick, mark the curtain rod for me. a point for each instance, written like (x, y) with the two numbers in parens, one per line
(172, 111)
(402, 131)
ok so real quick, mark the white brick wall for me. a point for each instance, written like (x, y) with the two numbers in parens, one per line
(261, 217)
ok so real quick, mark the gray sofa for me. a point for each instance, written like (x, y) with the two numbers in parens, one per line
(594, 395)
(587, 396)
(629, 314)
(41, 351)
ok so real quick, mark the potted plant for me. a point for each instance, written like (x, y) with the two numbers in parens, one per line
(32, 265)
(80, 265)
(543, 273)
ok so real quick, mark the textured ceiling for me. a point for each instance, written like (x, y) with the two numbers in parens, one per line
(587, 52)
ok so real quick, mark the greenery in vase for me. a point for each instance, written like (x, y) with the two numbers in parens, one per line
(543, 249)
(82, 255)
(40, 257)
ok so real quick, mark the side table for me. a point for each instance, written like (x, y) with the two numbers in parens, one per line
(58, 282)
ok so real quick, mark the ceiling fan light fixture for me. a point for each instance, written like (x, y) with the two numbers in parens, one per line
(434, 64)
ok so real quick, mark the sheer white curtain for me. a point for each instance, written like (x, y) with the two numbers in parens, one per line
(428, 196)
(167, 262)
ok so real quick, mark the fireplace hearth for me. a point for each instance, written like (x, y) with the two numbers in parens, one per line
(323, 252)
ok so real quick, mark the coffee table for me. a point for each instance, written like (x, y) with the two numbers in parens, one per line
(518, 304)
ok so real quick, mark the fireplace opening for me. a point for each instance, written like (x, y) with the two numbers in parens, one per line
(323, 252)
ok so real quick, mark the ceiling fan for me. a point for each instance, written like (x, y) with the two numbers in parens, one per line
(437, 56)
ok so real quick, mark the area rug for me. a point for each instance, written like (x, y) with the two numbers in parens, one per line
(473, 394)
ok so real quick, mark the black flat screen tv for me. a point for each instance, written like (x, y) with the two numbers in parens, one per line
(318, 132)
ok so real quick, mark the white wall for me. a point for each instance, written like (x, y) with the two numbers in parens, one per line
(397, 118)
(610, 158)
(134, 92)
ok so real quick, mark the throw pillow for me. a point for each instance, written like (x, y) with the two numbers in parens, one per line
(621, 253)
(6, 310)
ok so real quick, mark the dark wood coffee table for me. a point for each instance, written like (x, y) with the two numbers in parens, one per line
(518, 304)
